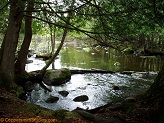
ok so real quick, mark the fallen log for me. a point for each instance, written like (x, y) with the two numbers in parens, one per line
(154, 53)
(90, 71)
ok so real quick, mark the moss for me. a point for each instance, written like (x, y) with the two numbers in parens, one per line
(57, 77)
(62, 114)
(39, 111)
(44, 56)
(17, 90)
(66, 73)
(47, 113)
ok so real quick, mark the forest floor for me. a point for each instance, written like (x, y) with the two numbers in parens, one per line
(15, 110)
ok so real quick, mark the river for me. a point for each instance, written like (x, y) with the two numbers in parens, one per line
(98, 87)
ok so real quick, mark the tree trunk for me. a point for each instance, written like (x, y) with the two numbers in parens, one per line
(9, 44)
(41, 73)
(155, 94)
(53, 47)
(52, 43)
(55, 54)
(22, 55)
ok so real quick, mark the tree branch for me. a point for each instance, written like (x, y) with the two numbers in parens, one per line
(4, 6)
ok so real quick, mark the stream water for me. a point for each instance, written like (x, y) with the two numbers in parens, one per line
(98, 87)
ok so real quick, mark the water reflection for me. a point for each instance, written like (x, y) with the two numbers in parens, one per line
(89, 58)
(98, 87)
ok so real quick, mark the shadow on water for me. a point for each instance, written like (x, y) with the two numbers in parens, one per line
(98, 87)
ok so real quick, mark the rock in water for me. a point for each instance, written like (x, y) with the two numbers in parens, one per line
(116, 88)
(63, 93)
(81, 98)
(52, 99)
(57, 77)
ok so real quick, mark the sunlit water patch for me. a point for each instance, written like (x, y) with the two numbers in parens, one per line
(98, 87)
(38, 64)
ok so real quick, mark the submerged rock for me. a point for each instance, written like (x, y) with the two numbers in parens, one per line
(52, 99)
(63, 93)
(57, 77)
(116, 88)
(81, 98)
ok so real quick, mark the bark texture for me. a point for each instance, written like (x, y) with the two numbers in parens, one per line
(22, 55)
(155, 94)
(9, 45)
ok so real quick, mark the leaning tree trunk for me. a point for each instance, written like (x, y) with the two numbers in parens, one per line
(9, 45)
(22, 55)
(41, 73)
(55, 54)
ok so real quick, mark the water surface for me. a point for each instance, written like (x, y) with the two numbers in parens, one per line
(98, 87)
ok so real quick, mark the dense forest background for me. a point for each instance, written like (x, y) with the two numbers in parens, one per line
(131, 25)
(118, 24)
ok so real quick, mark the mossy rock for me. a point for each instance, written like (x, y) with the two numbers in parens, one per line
(44, 56)
(57, 77)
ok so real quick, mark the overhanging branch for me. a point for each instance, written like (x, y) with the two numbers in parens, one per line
(4, 6)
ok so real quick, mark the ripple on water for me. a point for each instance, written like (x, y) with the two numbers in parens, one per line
(98, 87)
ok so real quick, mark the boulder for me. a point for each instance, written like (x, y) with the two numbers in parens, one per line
(44, 56)
(57, 77)
(52, 99)
(63, 93)
(81, 98)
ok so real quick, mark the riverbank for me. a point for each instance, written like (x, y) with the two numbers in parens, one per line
(13, 109)
(129, 110)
